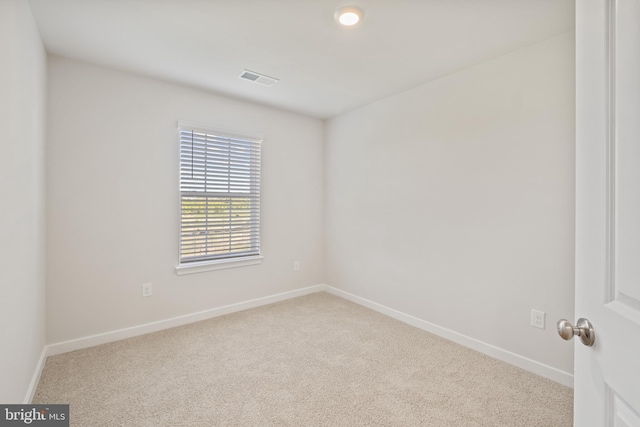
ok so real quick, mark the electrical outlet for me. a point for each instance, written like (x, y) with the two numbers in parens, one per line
(296, 265)
(147, 290)
(537, 319)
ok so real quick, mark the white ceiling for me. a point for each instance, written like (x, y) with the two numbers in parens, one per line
(324, 69)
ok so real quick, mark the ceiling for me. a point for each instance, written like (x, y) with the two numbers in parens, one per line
(324, 69)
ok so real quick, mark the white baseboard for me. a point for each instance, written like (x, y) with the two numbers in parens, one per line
(530, 365)
(93, 340)
(35, 379)
(525, 363)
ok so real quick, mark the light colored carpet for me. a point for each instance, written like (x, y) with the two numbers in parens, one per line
(316, 360)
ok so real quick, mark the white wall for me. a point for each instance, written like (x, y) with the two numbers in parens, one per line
(22, 120)
(113, 213)
(454, 201)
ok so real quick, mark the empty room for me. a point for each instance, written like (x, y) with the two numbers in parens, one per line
(320, 212)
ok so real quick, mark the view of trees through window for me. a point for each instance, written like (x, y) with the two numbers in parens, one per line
(215, 225)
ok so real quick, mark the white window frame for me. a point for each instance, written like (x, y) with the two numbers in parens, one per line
(217, 262)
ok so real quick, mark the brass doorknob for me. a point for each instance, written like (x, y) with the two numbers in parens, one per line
(583, 329)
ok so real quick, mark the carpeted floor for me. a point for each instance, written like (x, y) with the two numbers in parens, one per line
(316, 360)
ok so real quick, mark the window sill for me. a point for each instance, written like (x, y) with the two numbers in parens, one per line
(201, 267)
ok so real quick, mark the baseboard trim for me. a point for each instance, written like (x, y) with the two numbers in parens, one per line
(93, 340)
(525, 363)
(35, 379)
(530, 365)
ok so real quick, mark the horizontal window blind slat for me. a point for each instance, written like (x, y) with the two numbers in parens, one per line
(222, 219)
(219, 195)
(187, 244)
(216, 223)
(189, 168)
(217, 246)
(190, 237)
(211, 156)
(210, 244)
(212, 170)
(200, 132)
(203, 249)
(218, 144)
(217, 237)
(235, 255)
(185, 139)
(201, 231)
(212, 187)
(217, 183)
(201, 149)
(222, 162)
(196, 233)
(222, 188)
(241, 217)
(189, 216)
(229, 180)
(213, 163)
(219, 167)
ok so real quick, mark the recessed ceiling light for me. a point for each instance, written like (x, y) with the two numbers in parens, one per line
(349, 16)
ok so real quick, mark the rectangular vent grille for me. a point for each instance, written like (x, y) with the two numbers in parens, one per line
(258, 78)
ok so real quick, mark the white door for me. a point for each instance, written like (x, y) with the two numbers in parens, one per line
(607, 375)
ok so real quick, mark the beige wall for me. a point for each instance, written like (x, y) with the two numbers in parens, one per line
(22, 120)
(454, 202)
(113, 213)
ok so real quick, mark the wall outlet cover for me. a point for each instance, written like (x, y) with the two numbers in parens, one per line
(147, 290)
(537, 319)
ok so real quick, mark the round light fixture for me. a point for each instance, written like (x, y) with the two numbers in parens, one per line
(349, 16)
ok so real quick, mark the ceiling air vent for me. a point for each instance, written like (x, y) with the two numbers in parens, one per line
(258, 78)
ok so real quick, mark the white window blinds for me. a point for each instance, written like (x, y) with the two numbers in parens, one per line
(219, 195)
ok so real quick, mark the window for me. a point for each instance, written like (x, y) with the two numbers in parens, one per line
(219, 197)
